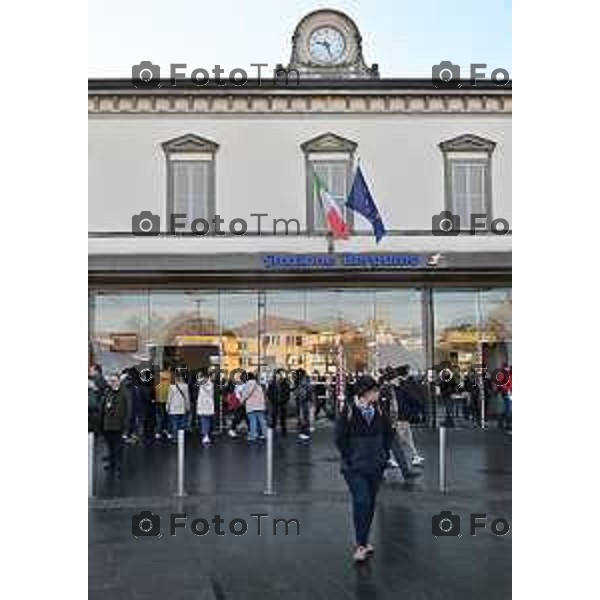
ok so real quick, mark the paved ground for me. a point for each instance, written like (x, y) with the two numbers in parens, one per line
(228, 479)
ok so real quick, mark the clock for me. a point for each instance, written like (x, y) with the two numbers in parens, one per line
(326, 45)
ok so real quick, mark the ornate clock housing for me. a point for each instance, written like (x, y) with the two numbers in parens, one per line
(327, 43)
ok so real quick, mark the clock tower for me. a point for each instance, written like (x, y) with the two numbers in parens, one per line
(327, 44)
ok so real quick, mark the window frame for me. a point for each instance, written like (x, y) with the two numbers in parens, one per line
(468, 148)
(193, 148)
(327, 148)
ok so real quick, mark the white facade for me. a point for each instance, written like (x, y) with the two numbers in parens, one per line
(260, 168)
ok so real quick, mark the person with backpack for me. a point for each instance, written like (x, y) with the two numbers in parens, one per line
(363, 436)
(389, 405)
(404, 401)
(113, 421)
(178, 404)
(253, 397)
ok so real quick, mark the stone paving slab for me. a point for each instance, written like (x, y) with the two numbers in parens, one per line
(228, 480)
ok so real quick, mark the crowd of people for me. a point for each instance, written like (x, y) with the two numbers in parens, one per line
(127, 409)
(373, 417)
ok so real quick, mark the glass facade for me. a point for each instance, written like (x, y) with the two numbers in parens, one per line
(292, 328)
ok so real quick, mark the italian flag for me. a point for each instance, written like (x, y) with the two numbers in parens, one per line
(332, 211)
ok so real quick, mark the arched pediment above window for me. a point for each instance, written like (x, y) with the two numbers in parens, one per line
(468, 143)
(189, 143)
(328, 142)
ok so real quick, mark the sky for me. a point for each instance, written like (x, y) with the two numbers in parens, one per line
(404, 37)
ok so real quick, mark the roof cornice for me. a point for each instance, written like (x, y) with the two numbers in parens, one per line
(268, 85)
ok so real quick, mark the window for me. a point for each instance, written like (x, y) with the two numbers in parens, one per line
(330, 158)
(190, 180)
(467, 175)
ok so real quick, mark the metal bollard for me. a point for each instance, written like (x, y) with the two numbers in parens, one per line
(180, 462)
(90, 464)
(443, 488)
(269, 489)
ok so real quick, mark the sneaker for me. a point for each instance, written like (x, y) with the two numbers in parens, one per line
(304, 437)
(169, 436)
(206, 441)
(418, 460)
(157, 436)
(360, 554)
(370, 549)
(393, 464)
(232, 434)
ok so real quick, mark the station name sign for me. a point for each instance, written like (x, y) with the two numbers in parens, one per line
(346, 260)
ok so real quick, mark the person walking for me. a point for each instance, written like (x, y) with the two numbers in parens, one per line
(504, 387)
(363, 436)
(389, 405)
(236, 407)
(178, 404)
(278, 394)
(161, 394)
(205, 406)
(404, 401)
(113, 421)
(253, 397)
(304, 393)
(96, 386)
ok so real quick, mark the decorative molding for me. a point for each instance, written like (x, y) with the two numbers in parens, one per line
(328, 142)
(468, 143)
(189, 143)
(303, 103)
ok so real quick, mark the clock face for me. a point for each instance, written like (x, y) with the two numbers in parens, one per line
(327, 45)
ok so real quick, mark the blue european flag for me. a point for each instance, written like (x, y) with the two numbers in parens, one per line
(361, 201)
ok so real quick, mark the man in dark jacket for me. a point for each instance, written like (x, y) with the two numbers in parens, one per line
(363, 436)
(96, 386)
(278, 394)
(114, 418)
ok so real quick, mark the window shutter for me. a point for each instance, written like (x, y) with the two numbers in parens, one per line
(191, 190)
(468, 189)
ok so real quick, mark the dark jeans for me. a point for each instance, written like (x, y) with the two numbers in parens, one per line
(239, 414)
(304, 418)
(205, 424)
(320, 405)
(160, 420)
(449, 407)
(506, 419)
(114, 445)
(279, 413)
(398, 453)
(363, 489)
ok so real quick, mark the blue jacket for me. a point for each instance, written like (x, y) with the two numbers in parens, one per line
(365, 447)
